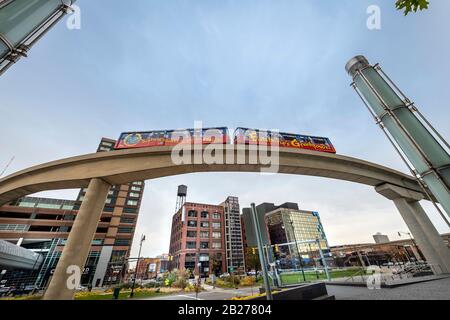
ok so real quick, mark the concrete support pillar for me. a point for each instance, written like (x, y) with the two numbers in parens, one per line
(425, 234)
(76, 250)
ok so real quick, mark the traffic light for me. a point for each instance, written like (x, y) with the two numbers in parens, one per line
(276, 248)
(254, 250)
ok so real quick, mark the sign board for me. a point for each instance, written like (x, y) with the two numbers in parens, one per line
(152, 267)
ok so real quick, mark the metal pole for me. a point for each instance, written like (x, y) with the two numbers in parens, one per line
(262, 258)
(323, 260)
(137, 264)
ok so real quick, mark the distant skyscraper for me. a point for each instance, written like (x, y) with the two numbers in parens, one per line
(233, 235)
(44, 224)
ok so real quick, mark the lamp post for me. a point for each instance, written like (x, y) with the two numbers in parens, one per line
(137, 264)
(412, 240)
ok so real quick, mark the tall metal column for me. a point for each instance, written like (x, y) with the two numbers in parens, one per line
(23, 23)
(422, 148)
(262, 256)
(78, 244)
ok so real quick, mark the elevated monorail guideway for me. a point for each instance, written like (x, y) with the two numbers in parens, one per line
(123, 166)
(99, 171)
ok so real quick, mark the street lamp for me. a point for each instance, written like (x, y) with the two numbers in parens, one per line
(412, 239)
(137, 264)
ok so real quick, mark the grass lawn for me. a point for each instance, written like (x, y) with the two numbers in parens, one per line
(297, 277)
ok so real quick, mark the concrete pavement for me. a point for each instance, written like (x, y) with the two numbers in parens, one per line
(211, 294)
(432, 290)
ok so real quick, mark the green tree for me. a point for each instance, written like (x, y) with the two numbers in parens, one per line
(411, 5)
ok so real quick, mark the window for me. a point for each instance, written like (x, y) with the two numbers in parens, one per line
(134, 188)
(191, 234)
(204, 245)
(192, 223)
(122, 242)
(108, 200)
(127, 210)
(216, 235)
(216, 215)
(126, 220)
(216, 225)
(134, 194)
(13, 227)
(205, 214)
(204, 234)
(104, 149)
(190, 245)
(138, 183)
(217, 245)
(204, 224)
(203, 257)
(132, 202)
(125, 230)
(192, 213)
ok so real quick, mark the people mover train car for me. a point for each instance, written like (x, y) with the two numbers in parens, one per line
(159, 138)
(284, 140)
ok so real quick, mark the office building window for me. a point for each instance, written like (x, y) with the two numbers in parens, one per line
(204, 245)
(124, 230)
(13, 227)
(134, 188)
(216, 215)
(216, 225)
(122, 242)
(126, 220)
(192, 223)
(204, 234)
(204, 214)
(190, 245)
(216, 235)
(134, 194)
(192, 213)
(191, 234)
(132, 202)
(204, 224)
(217, 245)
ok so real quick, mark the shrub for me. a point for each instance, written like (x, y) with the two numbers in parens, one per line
(247, 281)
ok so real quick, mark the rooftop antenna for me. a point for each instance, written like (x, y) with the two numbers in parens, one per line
(7, 165)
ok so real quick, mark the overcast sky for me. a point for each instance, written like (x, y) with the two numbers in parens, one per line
(143, 65)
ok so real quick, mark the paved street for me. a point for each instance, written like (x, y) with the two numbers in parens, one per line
(432, 290)
(211, 294)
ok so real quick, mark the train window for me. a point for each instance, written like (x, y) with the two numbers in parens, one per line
(319, 140)
(303, 139)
